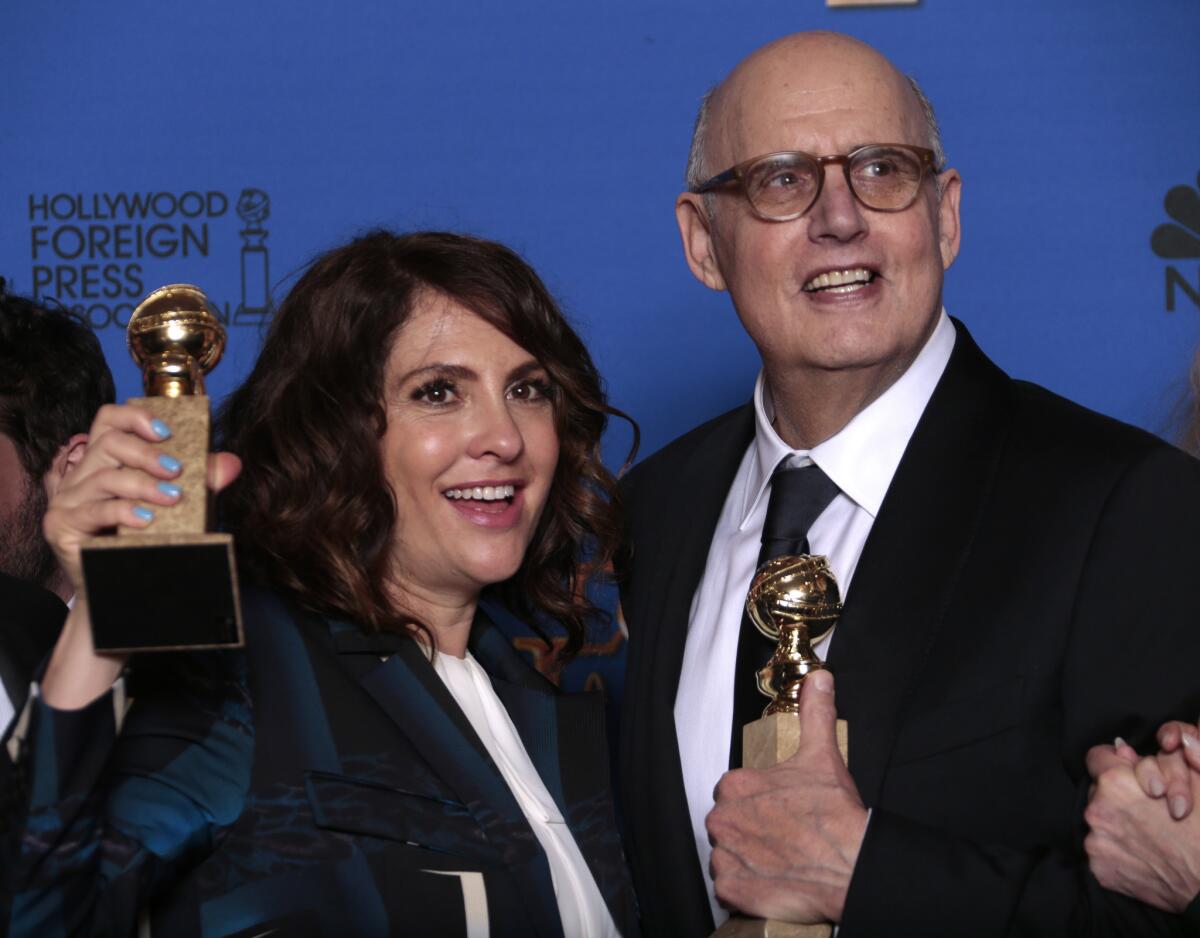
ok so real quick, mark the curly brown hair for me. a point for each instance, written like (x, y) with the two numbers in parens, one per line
(312, 512)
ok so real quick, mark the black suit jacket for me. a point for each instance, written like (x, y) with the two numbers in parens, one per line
(30, 620)
(1029, 589)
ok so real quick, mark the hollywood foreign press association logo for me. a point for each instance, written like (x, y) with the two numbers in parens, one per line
(100, 253)
(1180, 240)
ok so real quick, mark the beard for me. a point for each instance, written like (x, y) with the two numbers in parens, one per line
(24, 552)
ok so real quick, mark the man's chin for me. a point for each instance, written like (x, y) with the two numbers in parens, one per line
(35, 563)
(24, 551)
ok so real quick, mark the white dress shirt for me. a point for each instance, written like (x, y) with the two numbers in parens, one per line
(6, 710)
(580, 904)
(861, 459)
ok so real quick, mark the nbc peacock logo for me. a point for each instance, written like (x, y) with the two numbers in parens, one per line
(1180, 240)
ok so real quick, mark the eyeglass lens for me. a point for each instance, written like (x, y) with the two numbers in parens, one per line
(882, 178)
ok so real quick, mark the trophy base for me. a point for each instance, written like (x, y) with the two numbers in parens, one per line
(772, 739)
(738, 927)
(767, 742)
(162, 592)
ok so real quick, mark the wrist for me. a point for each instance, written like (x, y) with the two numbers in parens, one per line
(850, 846)
(76, 675)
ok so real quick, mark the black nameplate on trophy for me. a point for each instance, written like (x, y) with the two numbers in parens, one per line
(163, 597)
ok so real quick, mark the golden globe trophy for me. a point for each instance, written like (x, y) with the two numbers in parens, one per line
(791, 599)
(172, 586)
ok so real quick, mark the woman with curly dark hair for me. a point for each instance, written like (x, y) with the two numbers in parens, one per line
(422, 426)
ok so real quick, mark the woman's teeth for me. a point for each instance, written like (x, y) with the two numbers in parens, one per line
(484, 493)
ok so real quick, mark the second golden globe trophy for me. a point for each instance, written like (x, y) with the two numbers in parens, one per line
(791, 598)
(172, 586)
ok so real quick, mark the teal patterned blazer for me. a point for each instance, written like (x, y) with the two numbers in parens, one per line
(322, 781)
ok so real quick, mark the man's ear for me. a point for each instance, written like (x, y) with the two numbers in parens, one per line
(949, 230)
(66, 459)
(695, 228)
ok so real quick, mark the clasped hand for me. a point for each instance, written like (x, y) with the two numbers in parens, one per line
(1145, 836)
(785, 839)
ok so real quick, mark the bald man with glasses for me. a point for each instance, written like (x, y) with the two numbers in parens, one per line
(1019, 574)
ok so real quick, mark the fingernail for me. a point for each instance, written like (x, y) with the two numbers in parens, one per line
(1118, 743)
(1156, 787)
(170, 463)
(822, 681)
(1189, 741)
(170, 489)
(1178, 806)
(161, 430)
(144, 513)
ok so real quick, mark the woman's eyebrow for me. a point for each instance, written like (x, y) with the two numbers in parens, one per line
(525, 369)
(459, 372)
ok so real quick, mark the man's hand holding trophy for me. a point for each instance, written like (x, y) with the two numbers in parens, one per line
(793, 600)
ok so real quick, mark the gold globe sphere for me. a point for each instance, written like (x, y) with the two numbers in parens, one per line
(794, 588)
(176, 338)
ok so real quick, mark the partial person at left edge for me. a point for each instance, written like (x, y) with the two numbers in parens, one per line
(53, 379)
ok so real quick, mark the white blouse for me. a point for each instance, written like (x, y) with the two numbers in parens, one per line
(582, 908)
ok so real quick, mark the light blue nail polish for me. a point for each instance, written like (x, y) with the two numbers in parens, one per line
(170, 463)
(170, 489)
(160, 428)
(144, 513)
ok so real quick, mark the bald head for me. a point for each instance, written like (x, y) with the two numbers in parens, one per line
(804, 73)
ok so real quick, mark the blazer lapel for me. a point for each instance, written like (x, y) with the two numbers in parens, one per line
(913, 556)
(565, 736)
(414, 697)
(689, 523)
(673, 552)
(527, 696)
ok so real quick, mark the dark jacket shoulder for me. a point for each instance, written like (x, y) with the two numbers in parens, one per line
(1072, 446)
(30, 620)
(734, 428)
(1063, 425)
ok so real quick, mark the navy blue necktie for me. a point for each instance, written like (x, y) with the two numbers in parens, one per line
(798, 496)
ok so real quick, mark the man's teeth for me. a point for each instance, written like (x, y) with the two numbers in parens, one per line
(484, 493)
(841, 281)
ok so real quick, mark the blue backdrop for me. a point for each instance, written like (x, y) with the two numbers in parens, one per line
(226, 143)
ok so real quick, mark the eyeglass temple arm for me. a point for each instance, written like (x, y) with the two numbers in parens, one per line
(717, 180)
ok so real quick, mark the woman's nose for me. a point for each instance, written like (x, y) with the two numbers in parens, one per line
(495, 432)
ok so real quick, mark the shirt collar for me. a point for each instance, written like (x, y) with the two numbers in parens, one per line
(862, 457)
